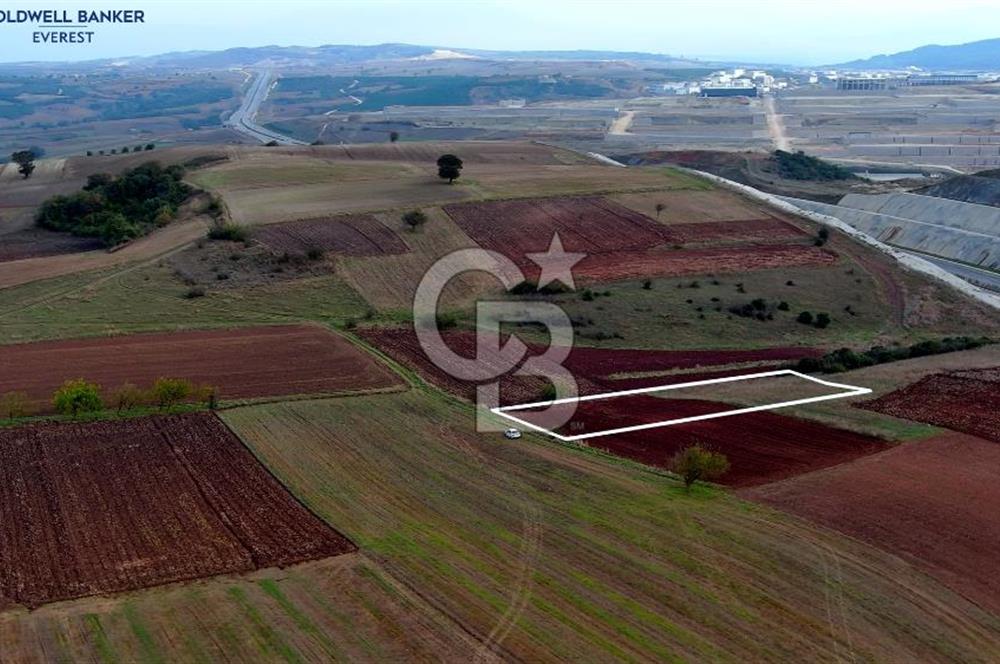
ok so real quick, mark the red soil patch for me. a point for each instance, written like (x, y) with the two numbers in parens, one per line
(353, 234)
(34, 243)
(634, 383)
(112, 506)
(591, 366)
(966, 401)
(761, 447)
(242, 363)
(749, 230)
(623, 244)
(679, 262)
(591, 225)
(934, 502)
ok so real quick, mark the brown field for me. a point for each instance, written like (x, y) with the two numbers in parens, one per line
(353, 234)
(966, 401)
(34, 243)
(389, 282)
(176, 497)
(746, 230)
(685, 207)
(934, 502)
(242, 363)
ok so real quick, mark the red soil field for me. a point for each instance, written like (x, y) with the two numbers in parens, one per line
(761, 447)
(679, 262)
(749, 230)
(966, 401)
(633, 383)
(591, 366)
(623, 244)
(242, 363)
(353, 234)
(105, 507)
(34, 243)
(933, 502)
(590, 224)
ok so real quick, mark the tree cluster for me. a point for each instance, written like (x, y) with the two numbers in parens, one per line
(800, 166)
(845, 359)
(117, 209)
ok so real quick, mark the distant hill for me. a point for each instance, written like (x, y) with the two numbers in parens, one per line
(977, 56)
(341, 54)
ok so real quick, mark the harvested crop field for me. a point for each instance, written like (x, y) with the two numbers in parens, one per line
(693, 206)
(622, 244)
(933, 502)
(761, 447)
(353, 234)
(966, 401)
(34, 243)
(593, 367)
(748, 230)
(112, 506)
(242, 363)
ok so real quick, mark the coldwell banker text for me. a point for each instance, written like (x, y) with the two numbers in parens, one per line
(61, 26)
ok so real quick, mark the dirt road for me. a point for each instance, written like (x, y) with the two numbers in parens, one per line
(775, 125)
(621, 124)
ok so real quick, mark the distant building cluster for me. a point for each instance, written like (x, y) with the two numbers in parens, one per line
(738, 82)
(892, 81)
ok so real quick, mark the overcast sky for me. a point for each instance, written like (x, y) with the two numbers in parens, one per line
(787, 31)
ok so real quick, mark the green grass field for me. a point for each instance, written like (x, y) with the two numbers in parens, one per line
(546, 552)
(152, 298)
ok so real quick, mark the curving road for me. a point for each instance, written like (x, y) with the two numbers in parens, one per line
(244, 118)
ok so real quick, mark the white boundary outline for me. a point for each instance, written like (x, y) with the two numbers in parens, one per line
(849, 391)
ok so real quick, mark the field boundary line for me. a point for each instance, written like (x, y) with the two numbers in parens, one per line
(847, 391)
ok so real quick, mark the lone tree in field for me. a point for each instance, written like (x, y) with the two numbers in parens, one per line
(414, 219)
(168, 392)
(78, 396)
(449, 167)
(393, 136)
(660, 207)
(697, 463)
(25, 160)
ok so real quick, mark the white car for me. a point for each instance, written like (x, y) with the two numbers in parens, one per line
(512, 434)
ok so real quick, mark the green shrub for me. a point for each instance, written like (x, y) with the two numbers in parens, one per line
(77, 396)
(168, 392)
(806, 318)
(228, 231)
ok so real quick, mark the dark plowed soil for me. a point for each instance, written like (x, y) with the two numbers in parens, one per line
(112, 506)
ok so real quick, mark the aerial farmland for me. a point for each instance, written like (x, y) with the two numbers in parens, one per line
(396, 353)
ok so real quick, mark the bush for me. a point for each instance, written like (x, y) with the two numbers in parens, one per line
(698, 463)
(194, 293)
(127, 397)
(806, 318)
(647, 284)
(77, 396)
(14, 405)
(800, 166)
(228, 231)
(414, 219)
(446, 321)
(783, 306)
(822, 321)
(168, 392)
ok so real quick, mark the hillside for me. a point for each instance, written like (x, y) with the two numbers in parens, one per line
(978, 55)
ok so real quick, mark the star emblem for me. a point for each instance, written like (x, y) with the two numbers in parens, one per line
(556, 263)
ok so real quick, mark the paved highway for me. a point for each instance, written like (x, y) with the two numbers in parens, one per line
(244, 118)
(982, 278)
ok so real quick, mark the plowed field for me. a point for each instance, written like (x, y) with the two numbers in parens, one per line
(761, 447)
(242, 363)
(622, 244)
(966, 401)
(33, 243)
(353, 234)
(931, 501)
(763, 230)
(112, 506)
(591, 366)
